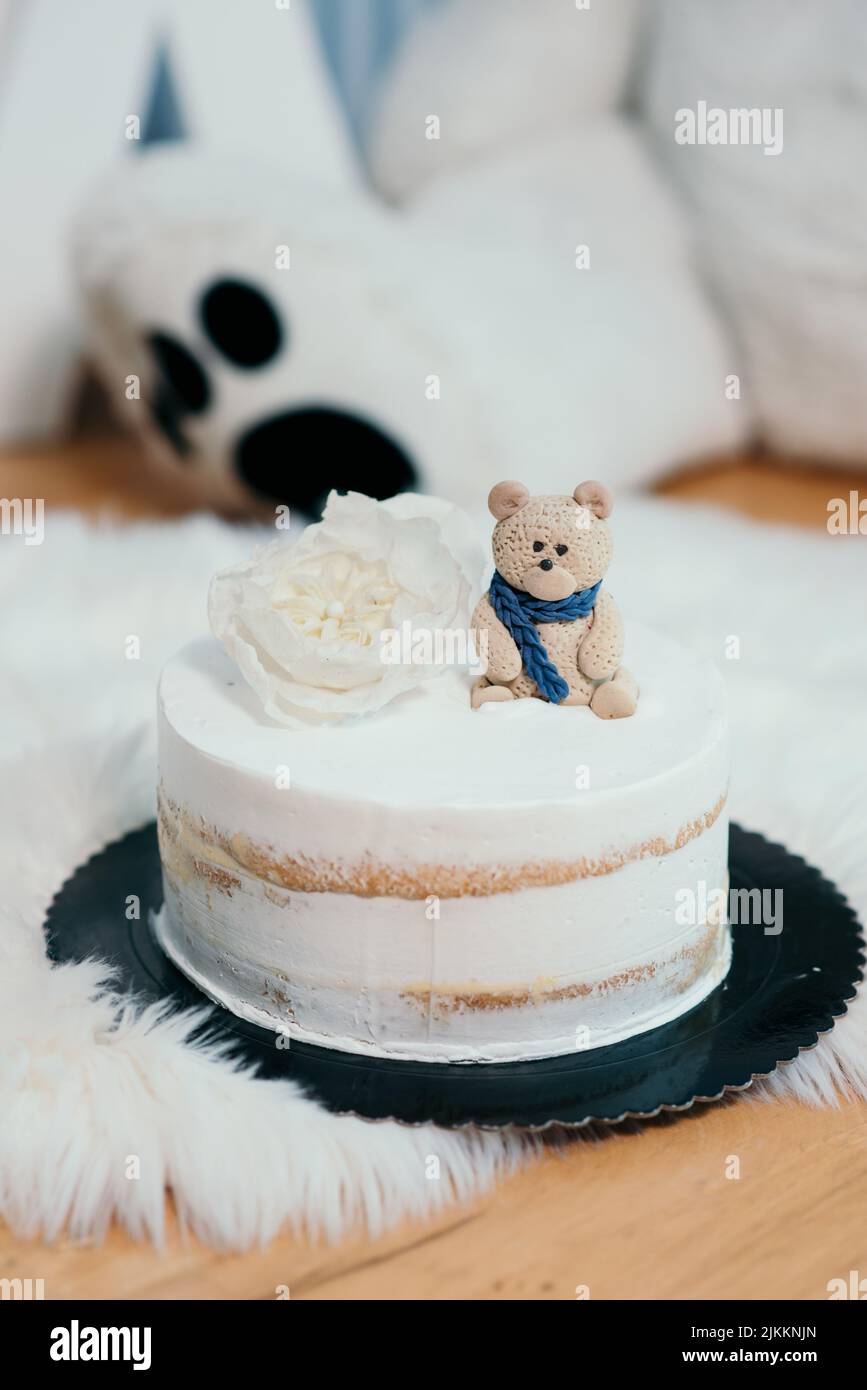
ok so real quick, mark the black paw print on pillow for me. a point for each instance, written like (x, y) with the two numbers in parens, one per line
(295, 456)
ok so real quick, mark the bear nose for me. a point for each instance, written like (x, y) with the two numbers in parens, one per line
(546, 564)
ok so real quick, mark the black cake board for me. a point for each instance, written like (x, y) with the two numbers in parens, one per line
(783, 991)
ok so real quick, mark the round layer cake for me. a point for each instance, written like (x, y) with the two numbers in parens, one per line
(442, 883)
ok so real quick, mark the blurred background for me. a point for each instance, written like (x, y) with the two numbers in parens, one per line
(426, 243)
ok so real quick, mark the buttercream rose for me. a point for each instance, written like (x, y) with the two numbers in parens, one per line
(303, 621)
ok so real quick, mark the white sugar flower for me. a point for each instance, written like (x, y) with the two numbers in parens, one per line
(303, 621)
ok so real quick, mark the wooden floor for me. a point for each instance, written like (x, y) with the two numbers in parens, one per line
(650, 1211)
(634, 1215)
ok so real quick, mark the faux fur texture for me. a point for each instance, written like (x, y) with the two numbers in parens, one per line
(87, 1079)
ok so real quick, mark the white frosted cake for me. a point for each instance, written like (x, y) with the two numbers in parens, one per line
(430, 880)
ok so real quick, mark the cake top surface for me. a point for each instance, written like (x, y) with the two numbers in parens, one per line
(428, 747)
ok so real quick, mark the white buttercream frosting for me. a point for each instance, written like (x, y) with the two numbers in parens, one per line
(298, 861)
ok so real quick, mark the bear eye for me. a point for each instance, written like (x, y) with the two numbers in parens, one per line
(538, 545)
(561, 549)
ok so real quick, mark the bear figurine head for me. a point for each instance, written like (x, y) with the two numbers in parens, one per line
(551, 547)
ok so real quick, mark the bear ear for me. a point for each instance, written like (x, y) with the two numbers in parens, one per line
(595, 497)
(507, 498)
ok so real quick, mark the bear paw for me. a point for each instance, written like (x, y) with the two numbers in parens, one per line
(483, 693)
(617, 698)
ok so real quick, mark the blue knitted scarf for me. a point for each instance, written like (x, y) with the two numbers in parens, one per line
(519, 612)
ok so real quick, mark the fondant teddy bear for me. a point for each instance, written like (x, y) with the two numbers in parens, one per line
(550, 629)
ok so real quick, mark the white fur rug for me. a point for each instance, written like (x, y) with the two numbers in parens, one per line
(87, 1080)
